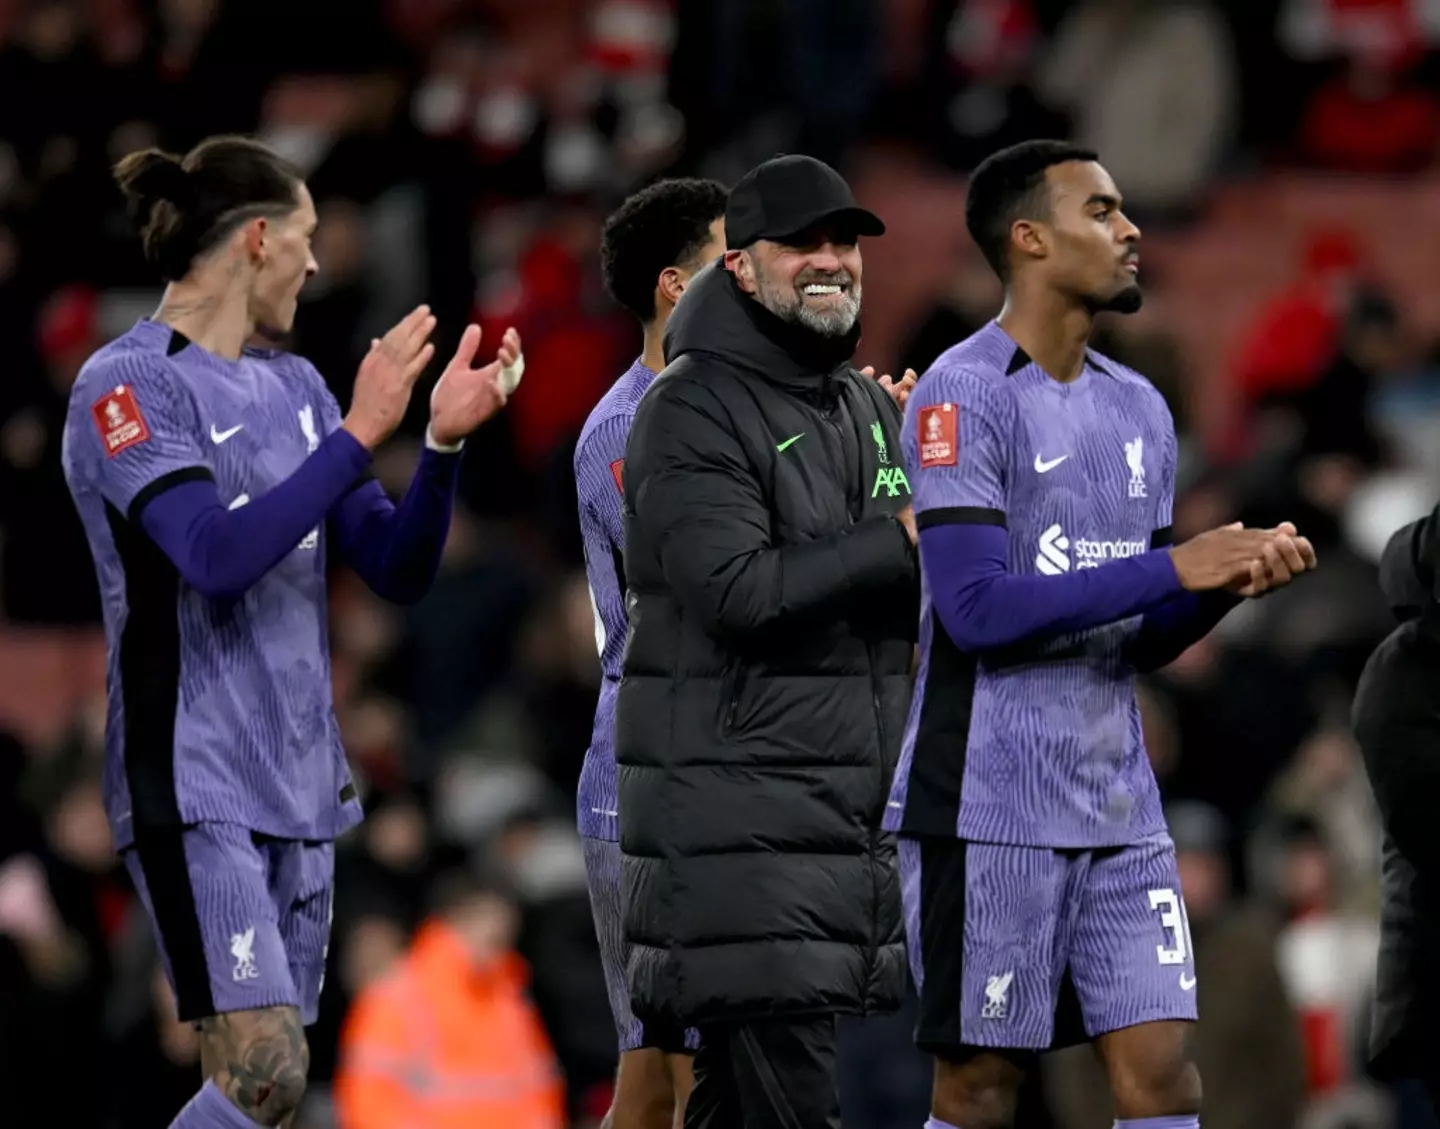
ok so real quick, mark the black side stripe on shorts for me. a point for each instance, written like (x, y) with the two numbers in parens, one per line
(960, 515)
(177, 918)
(943, 886)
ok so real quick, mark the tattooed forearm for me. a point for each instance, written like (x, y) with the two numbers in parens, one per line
(259, 1060)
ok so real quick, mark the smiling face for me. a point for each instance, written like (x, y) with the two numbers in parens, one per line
(1088, 244)
(812, 280)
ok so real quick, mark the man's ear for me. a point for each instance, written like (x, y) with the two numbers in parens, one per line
(671, 284)
(254, 235)
(1030, 238)
(742, 266)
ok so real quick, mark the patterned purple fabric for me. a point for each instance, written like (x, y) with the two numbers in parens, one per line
(218, 710)
(599, 465)
(1038, 743)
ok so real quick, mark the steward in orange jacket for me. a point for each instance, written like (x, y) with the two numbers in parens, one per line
(449, 1039)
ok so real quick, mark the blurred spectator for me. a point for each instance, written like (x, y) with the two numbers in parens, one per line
(1335, 412)
(1326, 784)
(46, 577)
(979, 72)
(1371, 119)
(968, 302)
(1375, 114)
(543, 861)
(1327, 960)
(572, 346)
(448, 1037)
(1150, 85)
(1295, 334)
(820, 59)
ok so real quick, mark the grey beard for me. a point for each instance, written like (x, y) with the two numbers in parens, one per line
(789, 305)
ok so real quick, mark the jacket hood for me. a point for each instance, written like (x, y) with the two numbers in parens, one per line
(1407, 575)
(714, 316)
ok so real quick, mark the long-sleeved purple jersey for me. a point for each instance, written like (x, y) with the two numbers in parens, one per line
(1036, 742)
(219, 709)
(599, 465)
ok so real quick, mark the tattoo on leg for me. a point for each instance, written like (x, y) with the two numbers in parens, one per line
(259, 1060)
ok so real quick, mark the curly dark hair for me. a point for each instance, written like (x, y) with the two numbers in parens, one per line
(666, 224)
(1007, 186)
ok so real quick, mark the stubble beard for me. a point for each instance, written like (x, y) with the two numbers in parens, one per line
(1127, 300)
(788, 303)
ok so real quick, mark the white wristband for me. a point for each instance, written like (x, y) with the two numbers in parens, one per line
(440, 447)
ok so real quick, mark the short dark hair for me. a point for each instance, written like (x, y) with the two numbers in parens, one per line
(458, 887)
(184, 206)
(666, 224)
(1005, 187)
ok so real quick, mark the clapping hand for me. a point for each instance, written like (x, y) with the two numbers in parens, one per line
(465, 397)
(1283, 559)
(386, 377)
(898, 392)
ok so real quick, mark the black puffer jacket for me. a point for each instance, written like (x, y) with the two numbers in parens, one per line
(773, 608)
(1396, 715)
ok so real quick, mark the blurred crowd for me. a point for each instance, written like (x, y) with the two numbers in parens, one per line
(464, 152)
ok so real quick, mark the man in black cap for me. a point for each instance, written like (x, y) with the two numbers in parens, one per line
(773, 601)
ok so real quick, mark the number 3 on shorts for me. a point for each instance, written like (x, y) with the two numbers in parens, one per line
(1174, 918)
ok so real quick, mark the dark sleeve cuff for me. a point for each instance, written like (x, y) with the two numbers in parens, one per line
(165, 482)
(959, 515)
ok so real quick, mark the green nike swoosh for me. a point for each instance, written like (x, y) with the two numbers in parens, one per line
(792, 439)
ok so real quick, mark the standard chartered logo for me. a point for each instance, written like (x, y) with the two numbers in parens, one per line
(1052, 559)
(1057, 554)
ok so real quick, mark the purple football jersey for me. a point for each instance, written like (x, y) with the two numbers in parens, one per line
(218, 711)
(599, 464)
(1038, 744)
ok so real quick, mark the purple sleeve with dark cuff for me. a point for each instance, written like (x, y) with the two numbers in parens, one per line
(984, 606)
(1170, 630)
(1175, 626)
(222, 552)
(396, 549)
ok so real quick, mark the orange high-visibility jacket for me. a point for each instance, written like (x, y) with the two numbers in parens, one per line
(437, 1044)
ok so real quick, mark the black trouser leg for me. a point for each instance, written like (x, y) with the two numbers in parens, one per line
(769, 1074)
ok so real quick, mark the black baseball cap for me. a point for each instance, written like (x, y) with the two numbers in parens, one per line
(787, 195)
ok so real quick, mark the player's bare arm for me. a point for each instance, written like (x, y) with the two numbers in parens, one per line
(259, 1060)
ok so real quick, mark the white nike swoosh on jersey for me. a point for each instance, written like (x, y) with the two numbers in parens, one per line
(1042, 467)
(217, 436)
(1186, 982)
